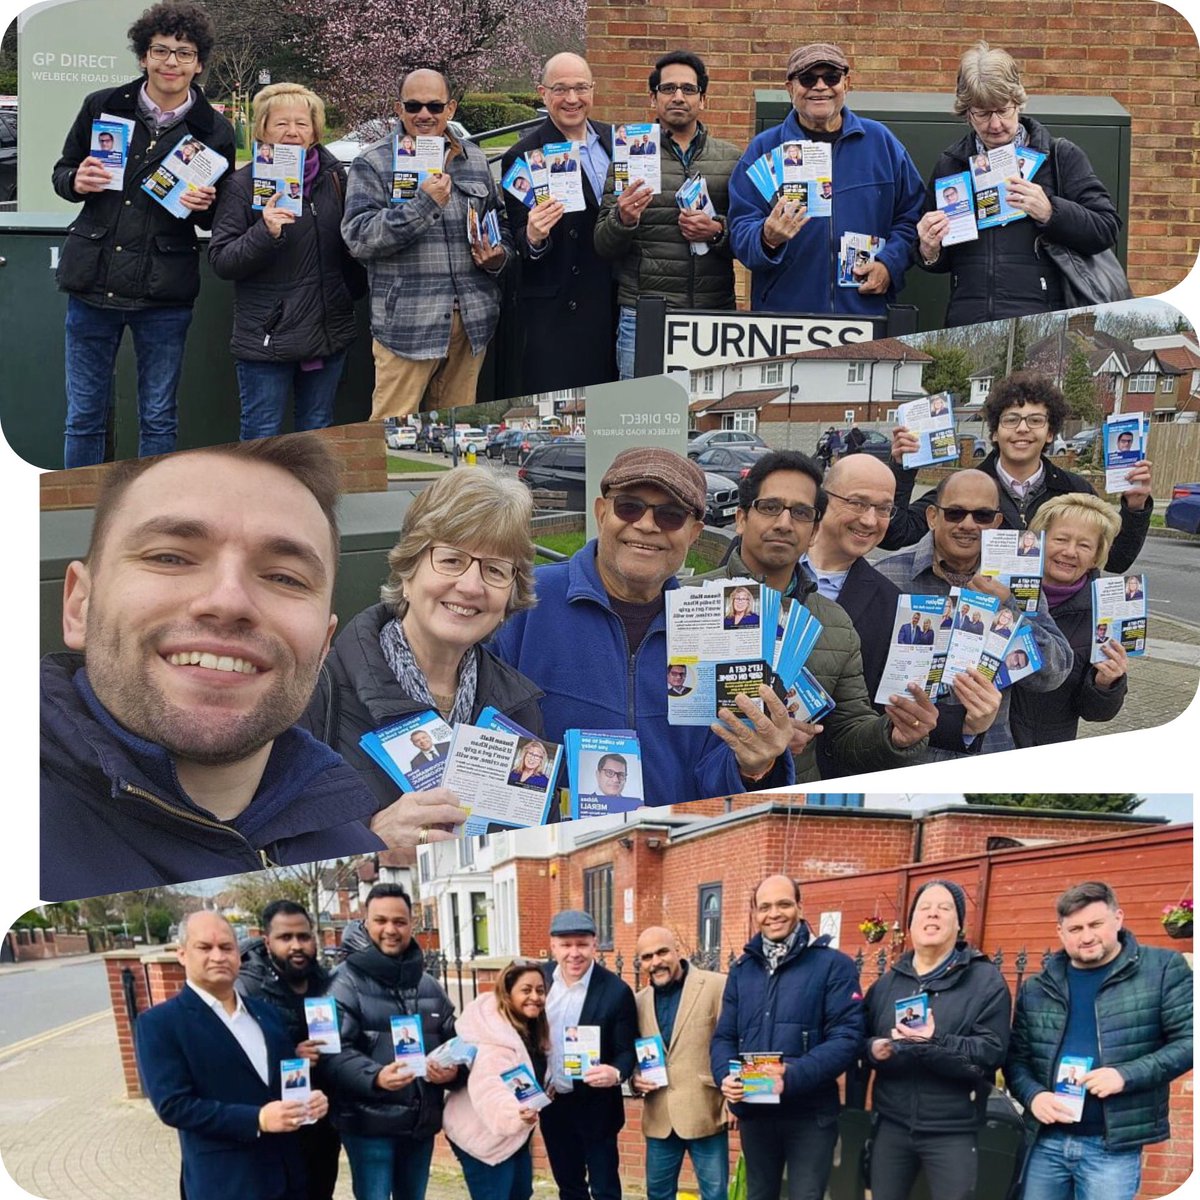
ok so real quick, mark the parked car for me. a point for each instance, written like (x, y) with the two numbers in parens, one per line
(495, 447)
(463, 438)
(517, 450)
(401, 437)
(1183, 512)
(348, 147)
(429, 438)
(877, 444)
(1083, 442)
(733, 461)
(721, 437)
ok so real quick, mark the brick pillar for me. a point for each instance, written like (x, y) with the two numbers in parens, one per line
(166, 975)
(115, 963)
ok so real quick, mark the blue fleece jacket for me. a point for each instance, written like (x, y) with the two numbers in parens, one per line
(114, 817)
(573, 646)
(876, 190)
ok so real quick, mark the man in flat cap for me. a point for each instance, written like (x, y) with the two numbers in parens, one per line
(580, 1128)
(605, 610)
(877, 191)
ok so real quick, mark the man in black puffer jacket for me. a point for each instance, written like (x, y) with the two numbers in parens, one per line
(387, 1118)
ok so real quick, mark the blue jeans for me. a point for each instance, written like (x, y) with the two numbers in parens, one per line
(626, 341)
(385, 1168)
(265, 388)
(1062, 1164)
(511, 1179)
(710, 1160)
(93, 338)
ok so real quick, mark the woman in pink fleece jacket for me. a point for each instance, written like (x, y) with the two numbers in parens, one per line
(486, 1124)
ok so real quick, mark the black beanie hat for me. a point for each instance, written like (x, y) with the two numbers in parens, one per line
(956, 893)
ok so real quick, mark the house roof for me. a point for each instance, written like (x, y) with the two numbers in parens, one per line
(1181, 358)
(517, 414)
(740, 401)
(880, 350)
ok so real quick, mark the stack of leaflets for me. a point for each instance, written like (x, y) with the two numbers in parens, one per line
(408, 1042)
(1125, 438)
(109, 146)
(518, 182)
(989, 175)
(651, 1059)
(189, 167)
(1016, 557)
(581, 1050)
(295, 1083)
(932, 420)
(953, 196)
(1119, 612)
(913, 1012)
(554, 172)
(693, 195)
(414, 159)
(320, 1012)
(412, 750)
(1022, 657)
(758, 1083)
(856, 252)
(457, 1052)
(920, 623)
(636, 156)
(278, 170)
(481, 227)
(605, 771)
(520, 1081)
(799, 172)
(1068, 1088)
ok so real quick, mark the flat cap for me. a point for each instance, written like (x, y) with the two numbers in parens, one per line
(676, 475)
(814, 55)
(571, 920)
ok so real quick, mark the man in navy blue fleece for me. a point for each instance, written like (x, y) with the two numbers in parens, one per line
(877, 191)
(789, 994)
(596, 643)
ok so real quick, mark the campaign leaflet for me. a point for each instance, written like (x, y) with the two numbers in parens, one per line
(563, 173)
(806, 699)
(943, 629)
(1067, 1086)
(479, 228)
(1016, 557)
(794, 638)
(518, 182)
(408, 1043)
(651, 1059)
(109, 146)
(1119, 612)
(457, 1052)
(990, 173)
(805, 171)
(932, 419)
(412, 750)
(913, 1012)
(189, 167)
(758, 1084)
(972, 621)
(911, 647)
(414, 159)
(1124, 447)
(278, 169)
(605, 771)
(953, 196)
(581, 1050)
(693, 196)
(520, 1081)
(321, 1015)
(640, 152)
(856, 253)
(295, 1083)
(1022, 658)
(763, 175)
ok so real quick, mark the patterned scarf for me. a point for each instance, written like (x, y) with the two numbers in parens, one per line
(400, 658)
(1021, 139)
(776, 952)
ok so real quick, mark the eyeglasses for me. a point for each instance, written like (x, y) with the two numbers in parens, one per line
(802, 514)
(668, 517)
(669, 89)
(559, 90)
(412, 107)
(183, 54)
(985, 115)
(956, 515)
(1034, 421)
(807, 79)
(862, 507)
(609, 773)
(495, 572)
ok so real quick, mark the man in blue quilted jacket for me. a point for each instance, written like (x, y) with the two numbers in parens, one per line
(1120, 1015)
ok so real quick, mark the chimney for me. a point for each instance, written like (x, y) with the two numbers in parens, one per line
(1082, 323)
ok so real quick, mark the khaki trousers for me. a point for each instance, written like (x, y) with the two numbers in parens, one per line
(401, 384)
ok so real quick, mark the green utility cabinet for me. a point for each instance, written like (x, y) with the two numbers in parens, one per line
(926, 124)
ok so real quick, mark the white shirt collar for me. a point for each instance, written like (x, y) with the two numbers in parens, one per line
(1019, 487)
(584, 979)
(214, 1003)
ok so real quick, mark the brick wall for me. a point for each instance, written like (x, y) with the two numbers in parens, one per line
(1073, 47)
(115, 964)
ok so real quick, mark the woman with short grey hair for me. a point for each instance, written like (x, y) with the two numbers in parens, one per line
(1006, 271)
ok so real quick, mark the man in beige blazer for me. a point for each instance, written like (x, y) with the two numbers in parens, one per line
(687, 1115)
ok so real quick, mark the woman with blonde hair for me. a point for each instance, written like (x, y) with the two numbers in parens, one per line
(1079, 530)
(739, 609)
(294, 280)
(530, 767)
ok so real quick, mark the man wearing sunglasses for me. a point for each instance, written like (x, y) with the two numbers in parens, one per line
(596, 643)
(876, 191)
(965, 504)
(435, 296)
(659, 249)
(1024, 412)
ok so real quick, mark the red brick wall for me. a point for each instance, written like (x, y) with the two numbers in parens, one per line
(948, 835)
(114, 965)
(1073, 47)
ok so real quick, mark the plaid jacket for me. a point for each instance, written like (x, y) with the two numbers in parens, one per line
(417, 255)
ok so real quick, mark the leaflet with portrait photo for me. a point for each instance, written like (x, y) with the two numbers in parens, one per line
(189, 167)
(651, 1059)
(278, 170)
(295, 1083)
(856, 252)
(109, 146)
(991, 186)
(412, 750)
(1015, 557)
(915, 628)
(518, 182)
(1022, 658)
(414, 159)
(408, 1044)
(932, 420)
(522, 1084)
(943, 629)
(912, 1012)
(1125, 437)
(641, 155)
(953, 196)
(1119, 612)
(501, 777)
(805, 171)
(759, 1073)
(972, 621)
(563, 173)
(692, 196)
(806, 699)
(581, 1050)
(321, 1016)
(1068, 1087)
(604, 768)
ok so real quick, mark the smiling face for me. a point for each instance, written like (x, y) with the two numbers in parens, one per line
(421, 739)
(636, 558)
(958, 544)
(290, 124)
(169, 81)
(741, 600)
(1090, 935)
(210, 954)
(533, 759)
(611, 773)
(934, 925)
(566, 90)
(458, 611)
(820, 106)
(574, 953)
(1021, 447)
(421, 86)
(389, 924)
(204, 615)
(676, 676)
(528, 994)
(776, 909)
(1072, 549)
(658, 953)
(291, 944)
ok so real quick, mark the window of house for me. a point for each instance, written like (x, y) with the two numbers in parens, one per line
(744, 421)
(771, 372)
(466, 852)
(1167, 384)
(423, 866)
(856, 372)
(1141, 383)
(598, 902)
(892, 416)
(710, 918)
(707, 381)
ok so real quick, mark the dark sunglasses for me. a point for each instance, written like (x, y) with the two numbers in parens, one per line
(807, 79)
(414, 106)
(668, 517)
(956, 515)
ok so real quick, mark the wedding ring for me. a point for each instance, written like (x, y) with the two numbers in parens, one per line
(423, 836)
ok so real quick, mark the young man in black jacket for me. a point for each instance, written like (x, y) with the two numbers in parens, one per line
(126, 260)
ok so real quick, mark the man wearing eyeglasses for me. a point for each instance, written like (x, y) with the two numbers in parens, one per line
(659, 249)
(780, 504)
(1024, 412)
(435, 296)
(565, 299)
(126, 261)
(604, 611)
(965, 504)
(876, 191)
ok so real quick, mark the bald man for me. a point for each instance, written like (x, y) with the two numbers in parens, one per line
(687, 1116)
(210, 1064)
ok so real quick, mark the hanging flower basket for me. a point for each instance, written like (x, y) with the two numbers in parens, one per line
(1177, 919)
(874, 929)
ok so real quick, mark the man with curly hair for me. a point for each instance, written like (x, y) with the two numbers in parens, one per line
(127, 261)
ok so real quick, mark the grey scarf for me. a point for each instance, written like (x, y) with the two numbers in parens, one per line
(1021, 139)
(399, 656)
(776, 952)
